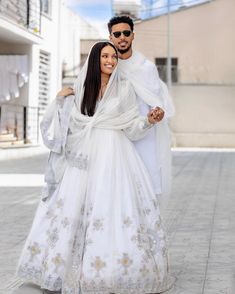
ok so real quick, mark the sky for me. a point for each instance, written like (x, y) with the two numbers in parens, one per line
(98, 12)
(92, 9)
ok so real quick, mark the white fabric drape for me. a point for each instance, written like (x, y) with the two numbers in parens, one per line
(117, 110)
(152, 92)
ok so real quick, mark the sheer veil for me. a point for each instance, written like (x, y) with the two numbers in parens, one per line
(70, 141)
(65, 129)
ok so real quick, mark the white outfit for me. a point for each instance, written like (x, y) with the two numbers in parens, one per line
(100, 230)
(154, 149)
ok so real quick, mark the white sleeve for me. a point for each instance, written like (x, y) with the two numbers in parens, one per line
(138, 129)
(139, 125)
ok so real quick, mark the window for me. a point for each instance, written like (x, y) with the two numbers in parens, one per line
(161, 64)
(46, 7)
(83, 58)
(44, 81)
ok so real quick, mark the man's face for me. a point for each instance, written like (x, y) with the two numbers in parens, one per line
(122, 37)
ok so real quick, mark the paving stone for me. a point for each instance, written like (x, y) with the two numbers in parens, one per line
(199, 218)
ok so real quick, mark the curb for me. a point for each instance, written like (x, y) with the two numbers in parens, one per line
(22, 152)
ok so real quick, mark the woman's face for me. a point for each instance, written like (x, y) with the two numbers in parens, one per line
(108, 60)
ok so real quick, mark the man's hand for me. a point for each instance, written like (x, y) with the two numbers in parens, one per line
(155, 115)
(65, 92)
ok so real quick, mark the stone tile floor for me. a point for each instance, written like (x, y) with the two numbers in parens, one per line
(199, 218)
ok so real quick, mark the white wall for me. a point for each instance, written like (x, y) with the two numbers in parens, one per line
(50, 32)
(70, 41)
(203, 40)
(26, 49)
(12, 110)
(204, 116)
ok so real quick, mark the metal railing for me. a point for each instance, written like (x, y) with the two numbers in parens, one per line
(26, 13)
(22, 122)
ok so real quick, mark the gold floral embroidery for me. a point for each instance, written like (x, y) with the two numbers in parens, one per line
(126, 262)
(45, 264)
(140, 239)
(50, 213)
(147, 210)
(34, 250)
(58, 261)
(155, 203)
(127, 222)
(59, 203)
(98, 264)
(88, 242)
(138, 184)
(144, 270)
(80, 161)
(124, 285)
(65, 222)
(83, 209)
(158, 225)
(98, 225)
(53, 237)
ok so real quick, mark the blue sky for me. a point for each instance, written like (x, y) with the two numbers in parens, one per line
(94, 10)
(101, 10)
(98, 12)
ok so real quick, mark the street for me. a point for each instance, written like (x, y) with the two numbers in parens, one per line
(199, 220)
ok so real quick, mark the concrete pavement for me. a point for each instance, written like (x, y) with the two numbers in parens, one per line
(200, 220)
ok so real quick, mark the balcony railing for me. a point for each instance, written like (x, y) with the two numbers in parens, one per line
(26, 13)
(18, 124)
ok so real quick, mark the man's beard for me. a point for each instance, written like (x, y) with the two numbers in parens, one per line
(123, 51)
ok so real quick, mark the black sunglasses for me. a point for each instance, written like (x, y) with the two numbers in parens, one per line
(126, 33)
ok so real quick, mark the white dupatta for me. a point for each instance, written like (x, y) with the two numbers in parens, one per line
(147, 85)
(65, 129)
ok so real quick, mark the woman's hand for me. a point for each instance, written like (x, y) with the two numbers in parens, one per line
(67, 91)
(155, 115)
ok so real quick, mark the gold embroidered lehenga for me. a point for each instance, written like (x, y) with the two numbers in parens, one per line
(100, 231)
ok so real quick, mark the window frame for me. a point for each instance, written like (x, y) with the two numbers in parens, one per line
(161, 64)
(47, 14)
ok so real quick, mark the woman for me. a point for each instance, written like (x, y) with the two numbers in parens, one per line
(98, 228)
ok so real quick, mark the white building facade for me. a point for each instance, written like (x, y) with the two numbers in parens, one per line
(46, 33)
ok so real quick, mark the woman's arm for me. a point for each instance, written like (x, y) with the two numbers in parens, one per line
(140, 125)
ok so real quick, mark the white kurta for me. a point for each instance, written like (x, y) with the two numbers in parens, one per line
(154, 149)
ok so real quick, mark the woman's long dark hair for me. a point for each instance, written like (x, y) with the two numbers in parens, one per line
(92, 82)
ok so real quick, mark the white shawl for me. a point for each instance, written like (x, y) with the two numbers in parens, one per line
(65, 130)
(147, 85)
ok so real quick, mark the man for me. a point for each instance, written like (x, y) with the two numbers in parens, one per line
(154, 149)
(151, 92)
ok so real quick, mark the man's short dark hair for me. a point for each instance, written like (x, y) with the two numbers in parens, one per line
(120, 19)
